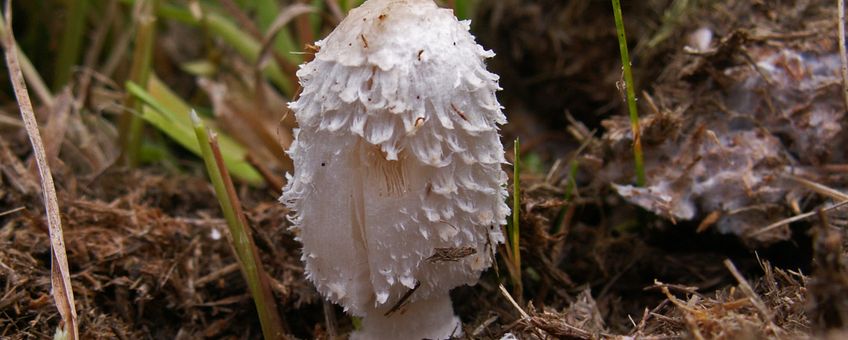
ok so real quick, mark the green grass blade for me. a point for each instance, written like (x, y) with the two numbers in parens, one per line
(242, 42)
(570, 187)
(131, 126)
(515, 231)
(249, 48)
(347, 5)
(631, 94)
(462, 9)
(315, 19)
(72, 38)
(267, 11)
(166, 112)
(242, 241)
(173, 12)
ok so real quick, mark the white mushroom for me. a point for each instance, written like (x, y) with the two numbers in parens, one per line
(398, 192)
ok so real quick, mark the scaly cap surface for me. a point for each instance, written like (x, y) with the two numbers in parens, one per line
(397, 156)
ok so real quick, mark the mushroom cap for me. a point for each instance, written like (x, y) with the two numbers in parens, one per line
(398, 158)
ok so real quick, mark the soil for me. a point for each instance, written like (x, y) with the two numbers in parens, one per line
(147, 246)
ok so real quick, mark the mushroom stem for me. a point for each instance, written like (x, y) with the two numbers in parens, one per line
(430, 318)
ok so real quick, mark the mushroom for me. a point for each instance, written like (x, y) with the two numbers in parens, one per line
(398, 192)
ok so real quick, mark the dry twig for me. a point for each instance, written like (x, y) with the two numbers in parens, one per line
(512, 302)
(819, 188)
(12, 211)
(796, 218)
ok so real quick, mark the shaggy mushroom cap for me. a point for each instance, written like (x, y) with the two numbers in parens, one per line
(398, 192)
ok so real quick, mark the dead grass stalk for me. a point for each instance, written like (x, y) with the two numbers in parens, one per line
(63, 294)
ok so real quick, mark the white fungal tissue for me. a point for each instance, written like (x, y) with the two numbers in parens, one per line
(775, 119)
(398, 192)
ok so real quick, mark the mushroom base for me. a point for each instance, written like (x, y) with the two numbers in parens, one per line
(432, 318)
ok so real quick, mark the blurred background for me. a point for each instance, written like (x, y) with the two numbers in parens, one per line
(234, 61)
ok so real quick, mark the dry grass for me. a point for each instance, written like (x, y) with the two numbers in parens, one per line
(60, 276)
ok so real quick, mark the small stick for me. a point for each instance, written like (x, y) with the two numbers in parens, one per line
(9, 212)
(217, 274)
(819, 188)
(509, 298)
(780, 223)
(403, 300)
(482, 327)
